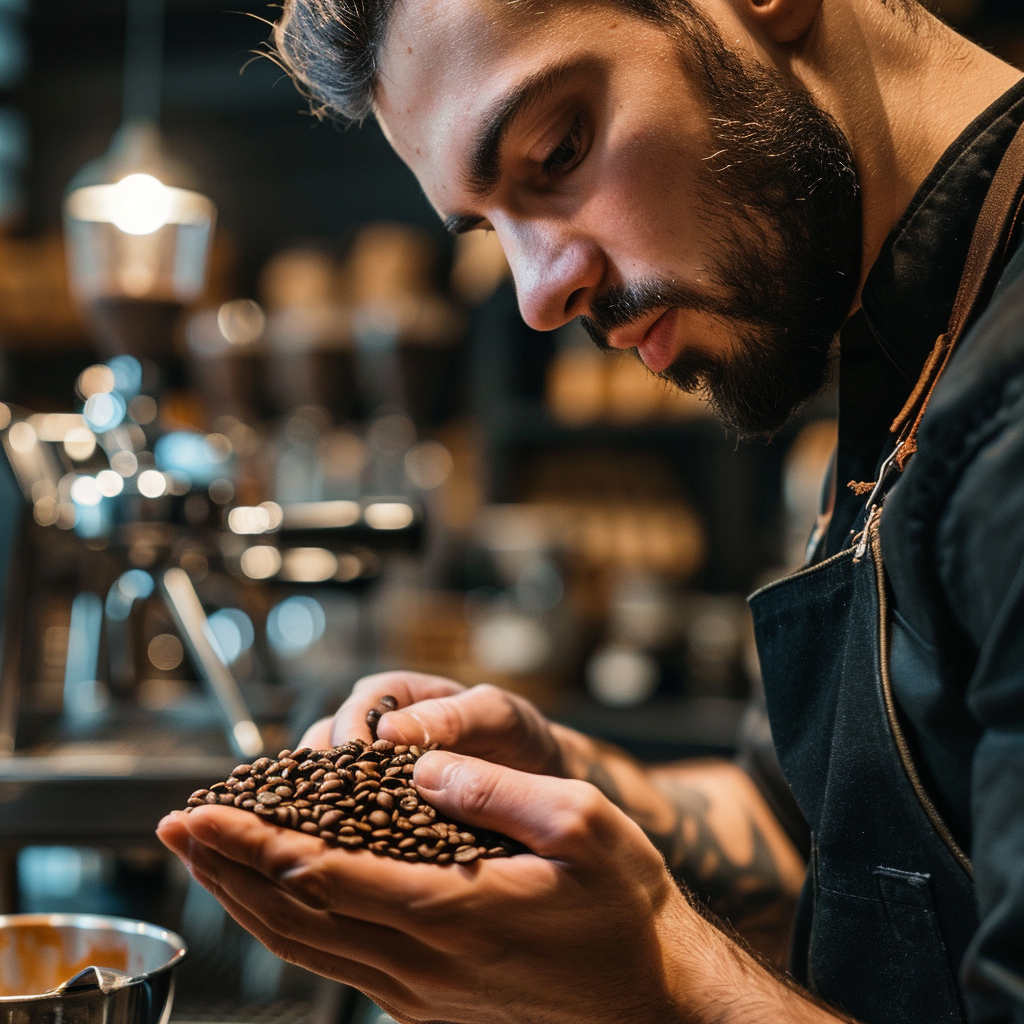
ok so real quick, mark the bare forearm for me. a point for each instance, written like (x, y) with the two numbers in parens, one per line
(714, 830)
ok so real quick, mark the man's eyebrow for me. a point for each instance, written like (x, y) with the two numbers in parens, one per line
(482, 174)
(460, 223)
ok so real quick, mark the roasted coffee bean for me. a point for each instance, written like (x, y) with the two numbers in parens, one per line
(372, 718)
(354, 795)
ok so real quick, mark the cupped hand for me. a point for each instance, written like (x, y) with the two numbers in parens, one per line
(480, 721)
(588, 926)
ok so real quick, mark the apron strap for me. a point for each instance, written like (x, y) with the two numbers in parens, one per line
(993, 232)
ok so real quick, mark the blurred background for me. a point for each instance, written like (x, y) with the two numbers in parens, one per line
(283, 432)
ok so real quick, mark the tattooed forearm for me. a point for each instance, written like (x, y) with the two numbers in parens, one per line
(696, 855)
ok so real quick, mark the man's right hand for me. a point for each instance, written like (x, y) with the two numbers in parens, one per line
(707, 819)
(481, 721)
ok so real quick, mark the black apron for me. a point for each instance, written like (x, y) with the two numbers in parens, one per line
(888, 905)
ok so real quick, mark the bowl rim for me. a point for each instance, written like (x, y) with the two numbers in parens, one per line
(98, 922)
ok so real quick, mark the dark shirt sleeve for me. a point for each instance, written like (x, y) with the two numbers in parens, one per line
(980, 549)
(755, 754)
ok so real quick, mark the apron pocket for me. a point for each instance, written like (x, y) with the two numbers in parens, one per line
(880, 956)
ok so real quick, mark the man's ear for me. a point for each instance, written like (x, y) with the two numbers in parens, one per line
(783, 21)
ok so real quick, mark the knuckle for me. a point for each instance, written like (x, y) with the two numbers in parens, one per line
(450, 722)
(584, 812)
(476, 792)
(308, 883)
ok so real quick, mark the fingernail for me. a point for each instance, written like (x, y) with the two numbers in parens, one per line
(403, 727)
(435, 770)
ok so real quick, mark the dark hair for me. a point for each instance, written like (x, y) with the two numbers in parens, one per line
(332, 48)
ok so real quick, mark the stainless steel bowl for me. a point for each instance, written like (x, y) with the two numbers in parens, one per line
(41, 952)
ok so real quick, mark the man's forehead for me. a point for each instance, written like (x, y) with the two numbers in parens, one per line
(446, 61)
(435, 49)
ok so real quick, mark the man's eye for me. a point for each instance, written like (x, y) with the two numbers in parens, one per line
(568, 152)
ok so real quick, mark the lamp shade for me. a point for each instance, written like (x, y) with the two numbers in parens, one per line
(138, 241)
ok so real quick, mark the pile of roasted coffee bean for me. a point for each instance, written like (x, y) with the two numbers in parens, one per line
(359, 795)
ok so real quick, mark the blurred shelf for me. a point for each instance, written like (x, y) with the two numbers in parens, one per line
(663, 730)
(530, 421)
(97, 798)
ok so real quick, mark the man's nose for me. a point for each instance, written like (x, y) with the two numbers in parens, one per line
(557, 275)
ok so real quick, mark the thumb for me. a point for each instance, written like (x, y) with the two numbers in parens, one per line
(563, 819)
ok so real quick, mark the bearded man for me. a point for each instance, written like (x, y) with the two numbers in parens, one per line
(725, 186)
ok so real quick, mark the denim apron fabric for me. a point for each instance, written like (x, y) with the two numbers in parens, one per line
(887, 908)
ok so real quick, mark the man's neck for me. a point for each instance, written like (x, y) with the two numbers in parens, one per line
(902, 89)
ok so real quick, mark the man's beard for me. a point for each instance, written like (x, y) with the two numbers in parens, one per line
(782, 202)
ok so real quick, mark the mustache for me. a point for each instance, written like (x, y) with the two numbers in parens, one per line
(621, 305)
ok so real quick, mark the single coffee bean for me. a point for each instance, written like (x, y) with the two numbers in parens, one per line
(309, 827)
(466, 856)
(328, 818)
(425, 833)
(284, 790)
(350, 841)
(379, 819)
(385, 801)
(421, 819)
(242, 771)
(268, 799)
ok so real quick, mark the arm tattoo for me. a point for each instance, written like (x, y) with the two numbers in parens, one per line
(695, 855)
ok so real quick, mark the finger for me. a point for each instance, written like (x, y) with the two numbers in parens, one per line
(376, 984)
(483, 721)
(564, 819)
(351, 882)
(386, 949)
(318, 735)
(406, 687)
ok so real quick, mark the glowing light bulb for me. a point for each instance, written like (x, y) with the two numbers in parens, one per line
(139, 204)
